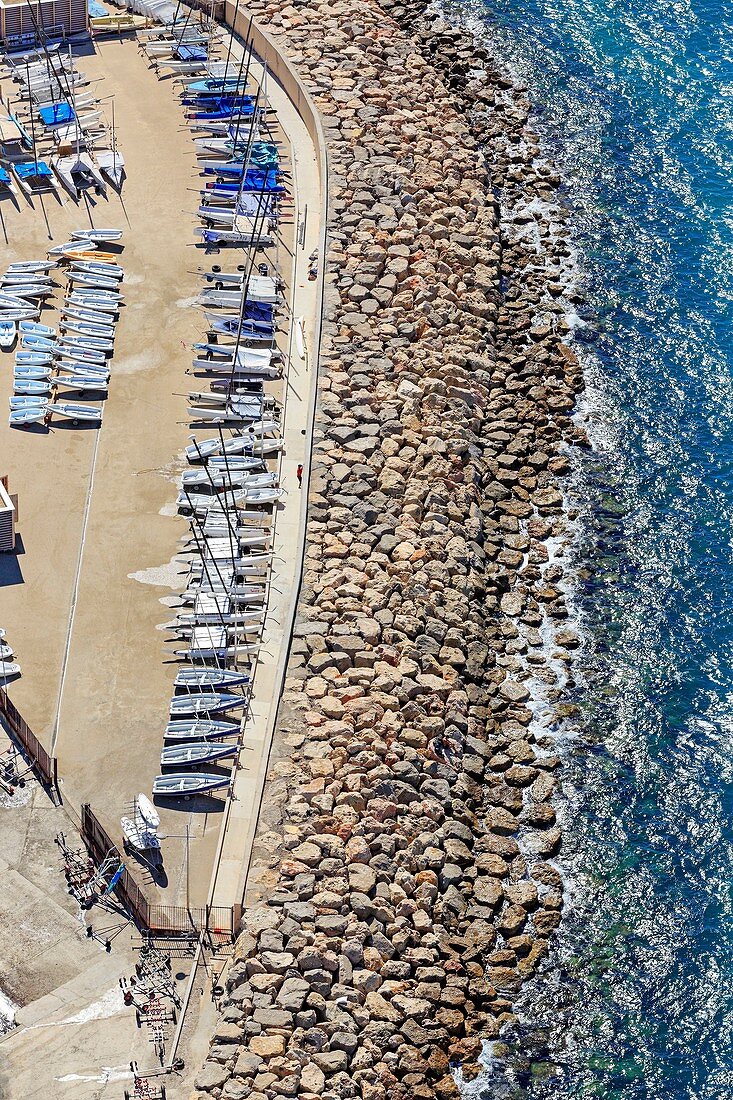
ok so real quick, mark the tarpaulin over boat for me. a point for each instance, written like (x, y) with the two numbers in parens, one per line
(254, 180)
(57, 113)
(191, 53)
(30, 169)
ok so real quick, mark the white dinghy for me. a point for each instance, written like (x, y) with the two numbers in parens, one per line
(73, 411)
(196, 752)
(199, 728)
(185, 785)
(8, 332)
(105, 235)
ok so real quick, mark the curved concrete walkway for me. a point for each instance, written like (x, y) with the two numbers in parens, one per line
(227, 884)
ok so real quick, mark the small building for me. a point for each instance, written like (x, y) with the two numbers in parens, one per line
(22, 20)
(8, 514)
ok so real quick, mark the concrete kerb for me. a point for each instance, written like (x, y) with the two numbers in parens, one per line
(286, 75)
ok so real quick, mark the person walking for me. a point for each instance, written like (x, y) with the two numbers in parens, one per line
(299, 475)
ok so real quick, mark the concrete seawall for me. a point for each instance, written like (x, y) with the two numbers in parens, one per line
(402, 886)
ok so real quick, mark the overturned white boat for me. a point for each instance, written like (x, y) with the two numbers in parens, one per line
(73, 411)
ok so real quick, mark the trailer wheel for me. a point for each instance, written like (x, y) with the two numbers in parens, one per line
(219, 286)
(216, 267)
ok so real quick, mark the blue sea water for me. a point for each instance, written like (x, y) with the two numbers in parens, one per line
(635, 100)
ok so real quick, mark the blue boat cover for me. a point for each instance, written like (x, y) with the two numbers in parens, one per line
(4, 177)
(29, 171)
(259, 311)
(191, 53)
(57, 113)
(255, 180)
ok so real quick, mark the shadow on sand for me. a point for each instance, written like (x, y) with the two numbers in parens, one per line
(10, 570)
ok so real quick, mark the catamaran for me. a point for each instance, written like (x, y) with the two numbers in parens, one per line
(78, 164)
(112, 164)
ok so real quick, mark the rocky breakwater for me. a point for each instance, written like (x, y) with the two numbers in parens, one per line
(402, 888)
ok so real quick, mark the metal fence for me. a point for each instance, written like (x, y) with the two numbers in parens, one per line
(217, 921)
(43, 764)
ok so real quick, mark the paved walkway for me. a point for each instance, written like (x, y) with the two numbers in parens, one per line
(227, 886)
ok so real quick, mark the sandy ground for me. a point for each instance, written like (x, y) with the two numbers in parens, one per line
(64, 986)
(81, 602)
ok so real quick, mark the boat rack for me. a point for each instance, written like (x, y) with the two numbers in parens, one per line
(144, 1086)
(158, 1017)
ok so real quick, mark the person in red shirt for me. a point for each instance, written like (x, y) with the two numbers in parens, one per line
(299, 475)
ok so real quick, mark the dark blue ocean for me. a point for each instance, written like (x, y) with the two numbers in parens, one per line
(635, 102)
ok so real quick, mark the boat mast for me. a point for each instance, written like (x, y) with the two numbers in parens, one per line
(73, 107)
(231, 43)
(33, 126)
(114, 143)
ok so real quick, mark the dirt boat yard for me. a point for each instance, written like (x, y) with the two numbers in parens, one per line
(82, 600)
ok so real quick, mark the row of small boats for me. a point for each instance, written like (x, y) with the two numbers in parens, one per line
(73, 358)
(232, 480)
(56, 136)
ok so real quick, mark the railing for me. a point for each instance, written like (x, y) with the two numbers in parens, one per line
(43, 764)
(163, 920)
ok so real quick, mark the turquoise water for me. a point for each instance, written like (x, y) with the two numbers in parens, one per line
(636, 100)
